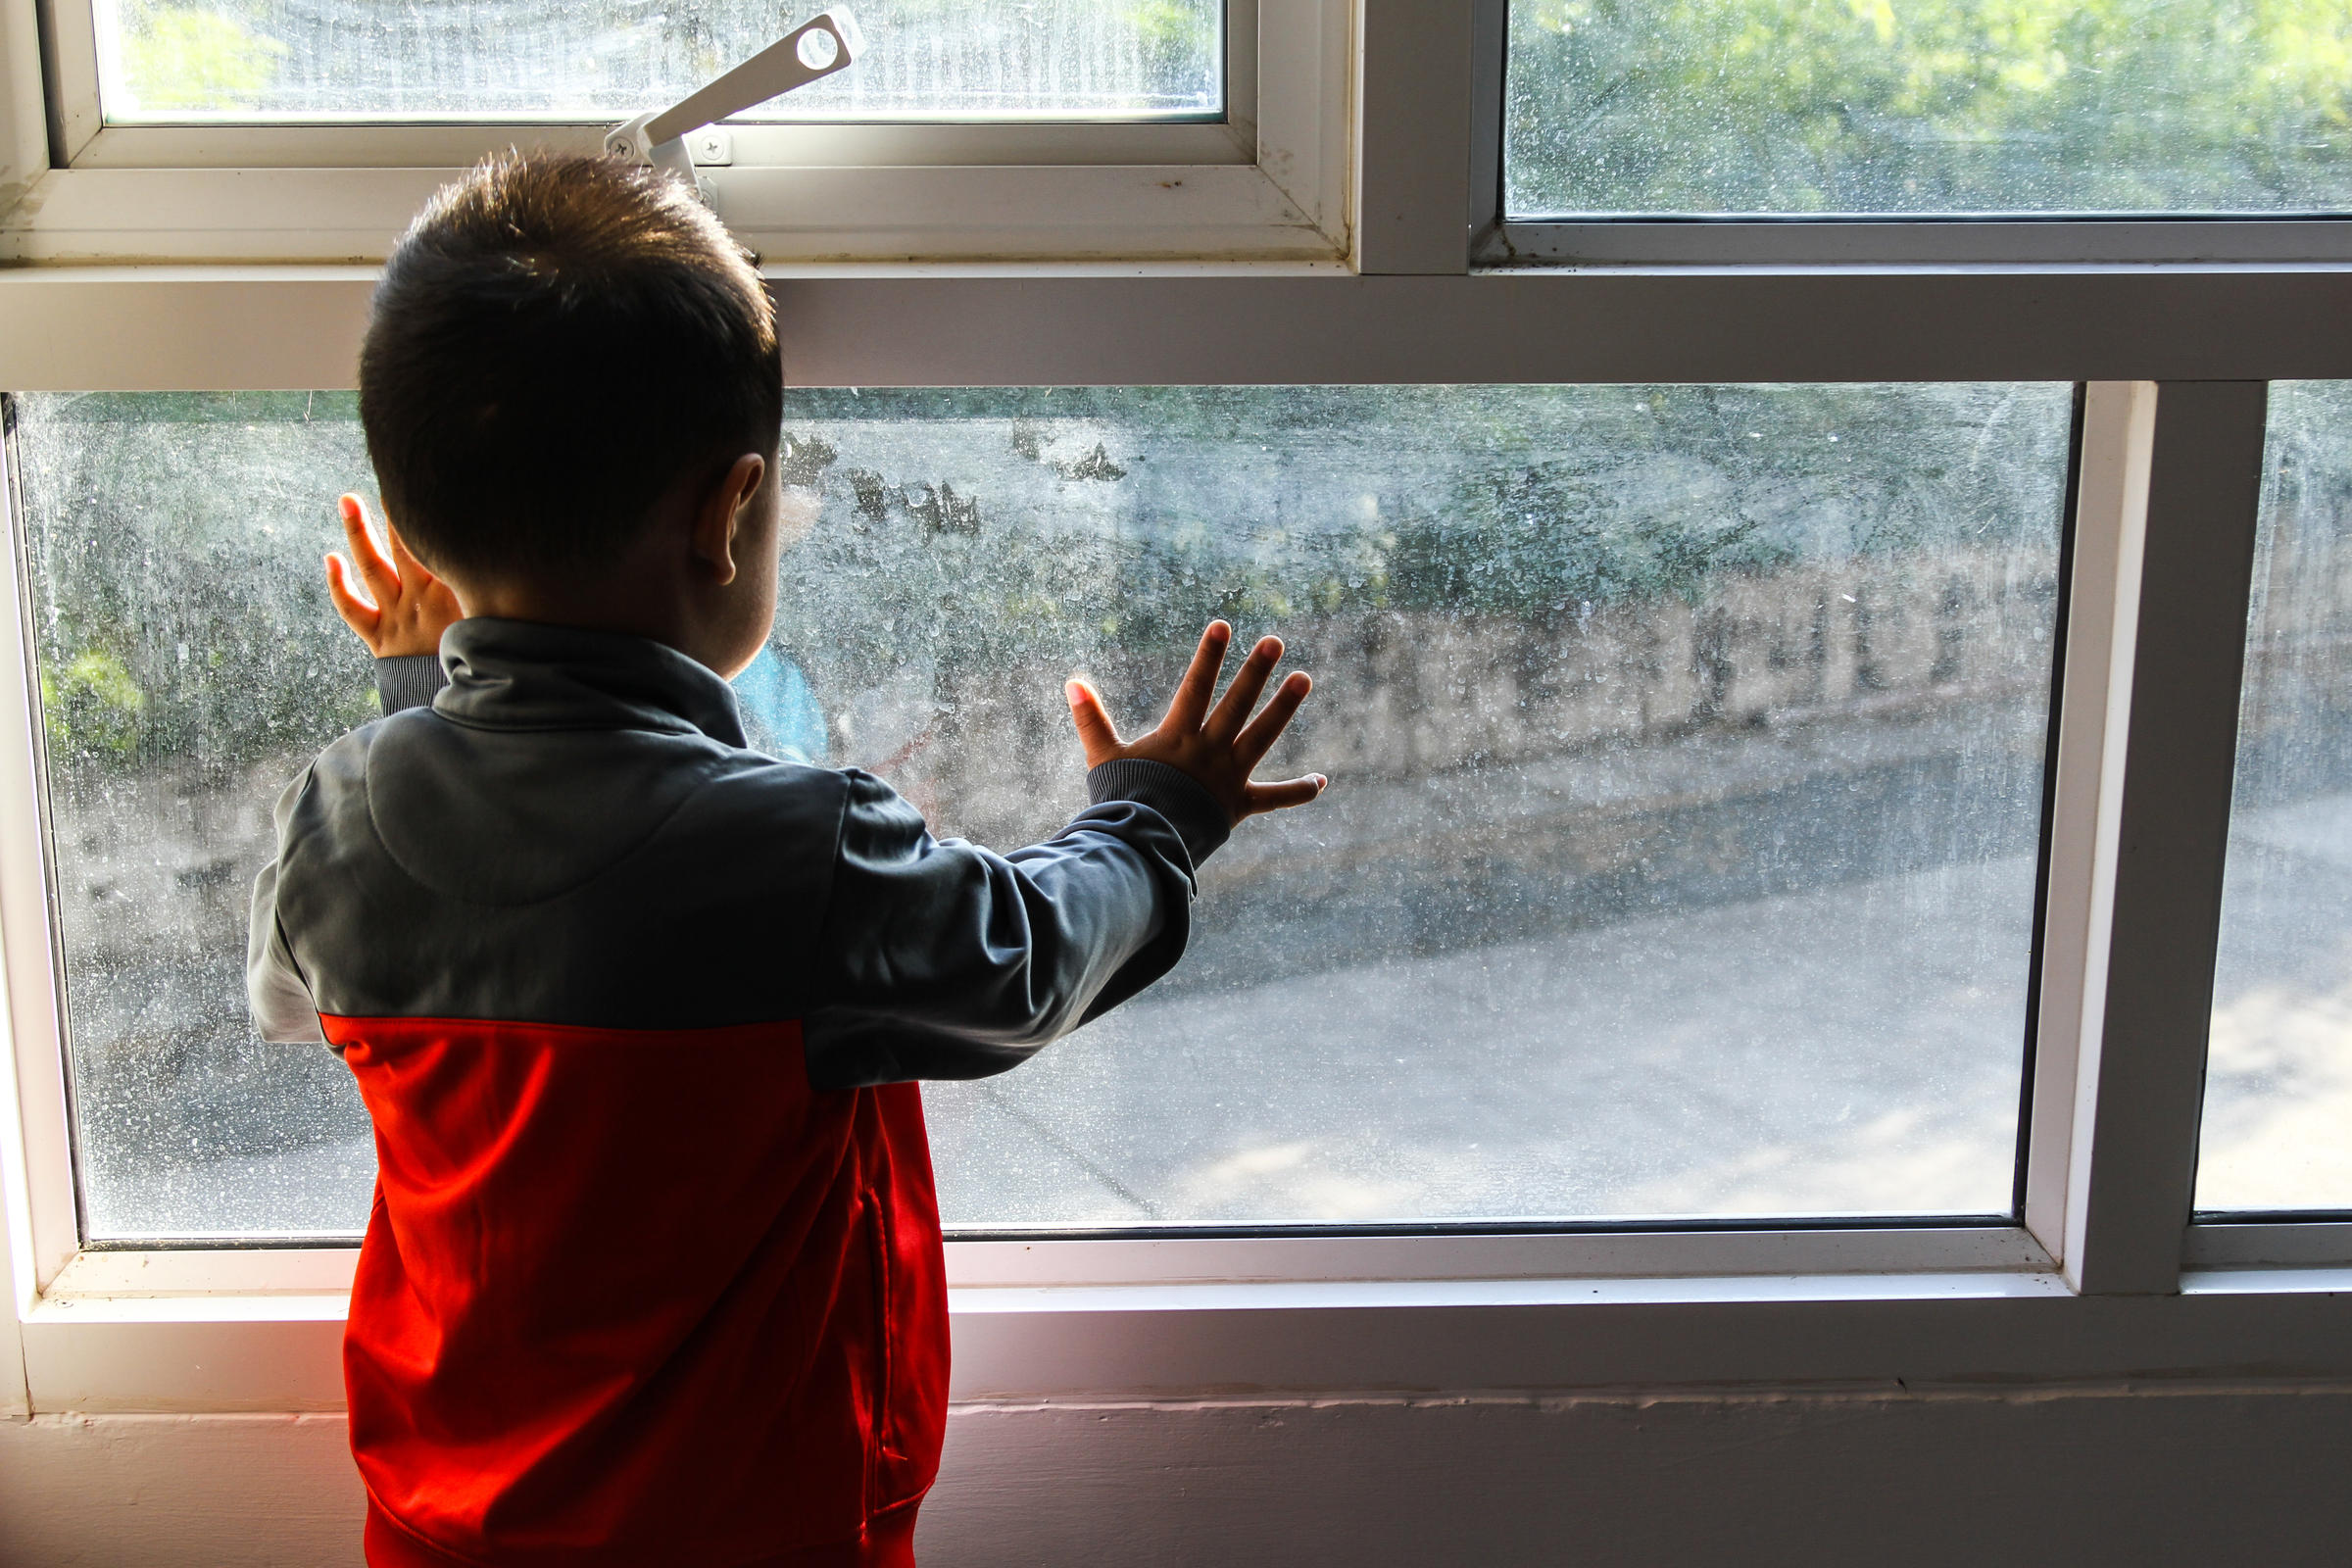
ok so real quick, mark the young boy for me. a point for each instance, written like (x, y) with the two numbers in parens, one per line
(653, 1270)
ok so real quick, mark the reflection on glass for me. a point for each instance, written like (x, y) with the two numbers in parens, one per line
(1930, 106)
(1687, 747)
(2279, 1074)
(260, 60)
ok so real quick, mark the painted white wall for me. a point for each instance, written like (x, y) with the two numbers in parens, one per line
(178, 1489)
(2193, 1476)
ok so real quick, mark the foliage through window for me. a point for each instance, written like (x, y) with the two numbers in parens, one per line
(1921, 107)
(164, 61)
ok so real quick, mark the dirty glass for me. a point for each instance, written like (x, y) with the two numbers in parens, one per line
(164, 61)
(1687, 748)
(1904, 107)
(2277, 1129)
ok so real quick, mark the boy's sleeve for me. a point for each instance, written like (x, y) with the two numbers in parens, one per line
(409, 680)
(282, 1010)
(941, 960)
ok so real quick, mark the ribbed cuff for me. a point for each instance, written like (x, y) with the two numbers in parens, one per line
(410, 680)
(1173, 793)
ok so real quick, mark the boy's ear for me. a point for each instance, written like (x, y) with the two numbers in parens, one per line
(719, 516)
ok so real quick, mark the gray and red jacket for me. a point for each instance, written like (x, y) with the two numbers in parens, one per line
(653, 1270)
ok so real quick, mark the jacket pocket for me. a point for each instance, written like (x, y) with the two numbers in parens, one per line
(886, 1326)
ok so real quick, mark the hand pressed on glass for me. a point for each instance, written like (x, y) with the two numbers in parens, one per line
(1218, 748)
(397, 606)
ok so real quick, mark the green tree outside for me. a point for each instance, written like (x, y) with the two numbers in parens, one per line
(195, 58)
(1928, 106)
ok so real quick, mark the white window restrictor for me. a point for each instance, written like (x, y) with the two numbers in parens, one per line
(822, 46)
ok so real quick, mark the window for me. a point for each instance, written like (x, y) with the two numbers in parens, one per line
(184, 671)
(273, 60)
(2278, 1078)
(1936, 107)
(1606, 678)
(1774, 131)
(1650, 708)
(1839, 1223)
(267, 131)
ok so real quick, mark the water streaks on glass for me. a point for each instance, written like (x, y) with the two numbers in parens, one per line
(1928, 106)
(166, 61)
(2278, 1073)
(1687, 747)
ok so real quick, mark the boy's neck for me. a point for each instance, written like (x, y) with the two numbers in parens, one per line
(648, 609)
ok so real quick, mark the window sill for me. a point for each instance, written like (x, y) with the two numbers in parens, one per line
(194, 1331)
(2267, 1247)
(1078, 212)
(1920, 241)
(96, 1277)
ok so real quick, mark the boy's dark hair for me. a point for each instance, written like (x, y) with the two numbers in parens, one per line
(555, 341)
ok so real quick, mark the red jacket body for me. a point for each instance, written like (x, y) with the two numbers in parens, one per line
(653, 1273)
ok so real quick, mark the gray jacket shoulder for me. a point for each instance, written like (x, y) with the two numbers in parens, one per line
(647, 875)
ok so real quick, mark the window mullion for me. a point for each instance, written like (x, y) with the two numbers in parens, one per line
(1489, 48)
(24, 103)
(16, 1395)
(2115, 434)
(66, 60)
(2163, 559)
(1413, 113)
(35, 1133)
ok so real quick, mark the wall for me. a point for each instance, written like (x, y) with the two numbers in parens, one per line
(2084, 1475)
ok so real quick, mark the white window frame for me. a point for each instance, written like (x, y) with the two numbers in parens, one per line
(1267, 184)
(1506, 239)
(2104, 1277)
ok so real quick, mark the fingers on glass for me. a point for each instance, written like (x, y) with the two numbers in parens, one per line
(376, 567)
(1276, 797)
(357, 613)
(1259, 736)
(1189, 705)
(1096, 732)
(1241, 696)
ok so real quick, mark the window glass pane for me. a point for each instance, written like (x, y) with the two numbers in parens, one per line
(260, 60)
(1927, 106)
(1687, 746)
(188, 669)
(2279, 1073)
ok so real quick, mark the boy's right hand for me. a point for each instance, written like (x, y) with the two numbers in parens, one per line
(402, 609)
(1218, 748)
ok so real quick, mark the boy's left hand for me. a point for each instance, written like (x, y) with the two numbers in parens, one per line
(1221, 747)
(402, 609)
